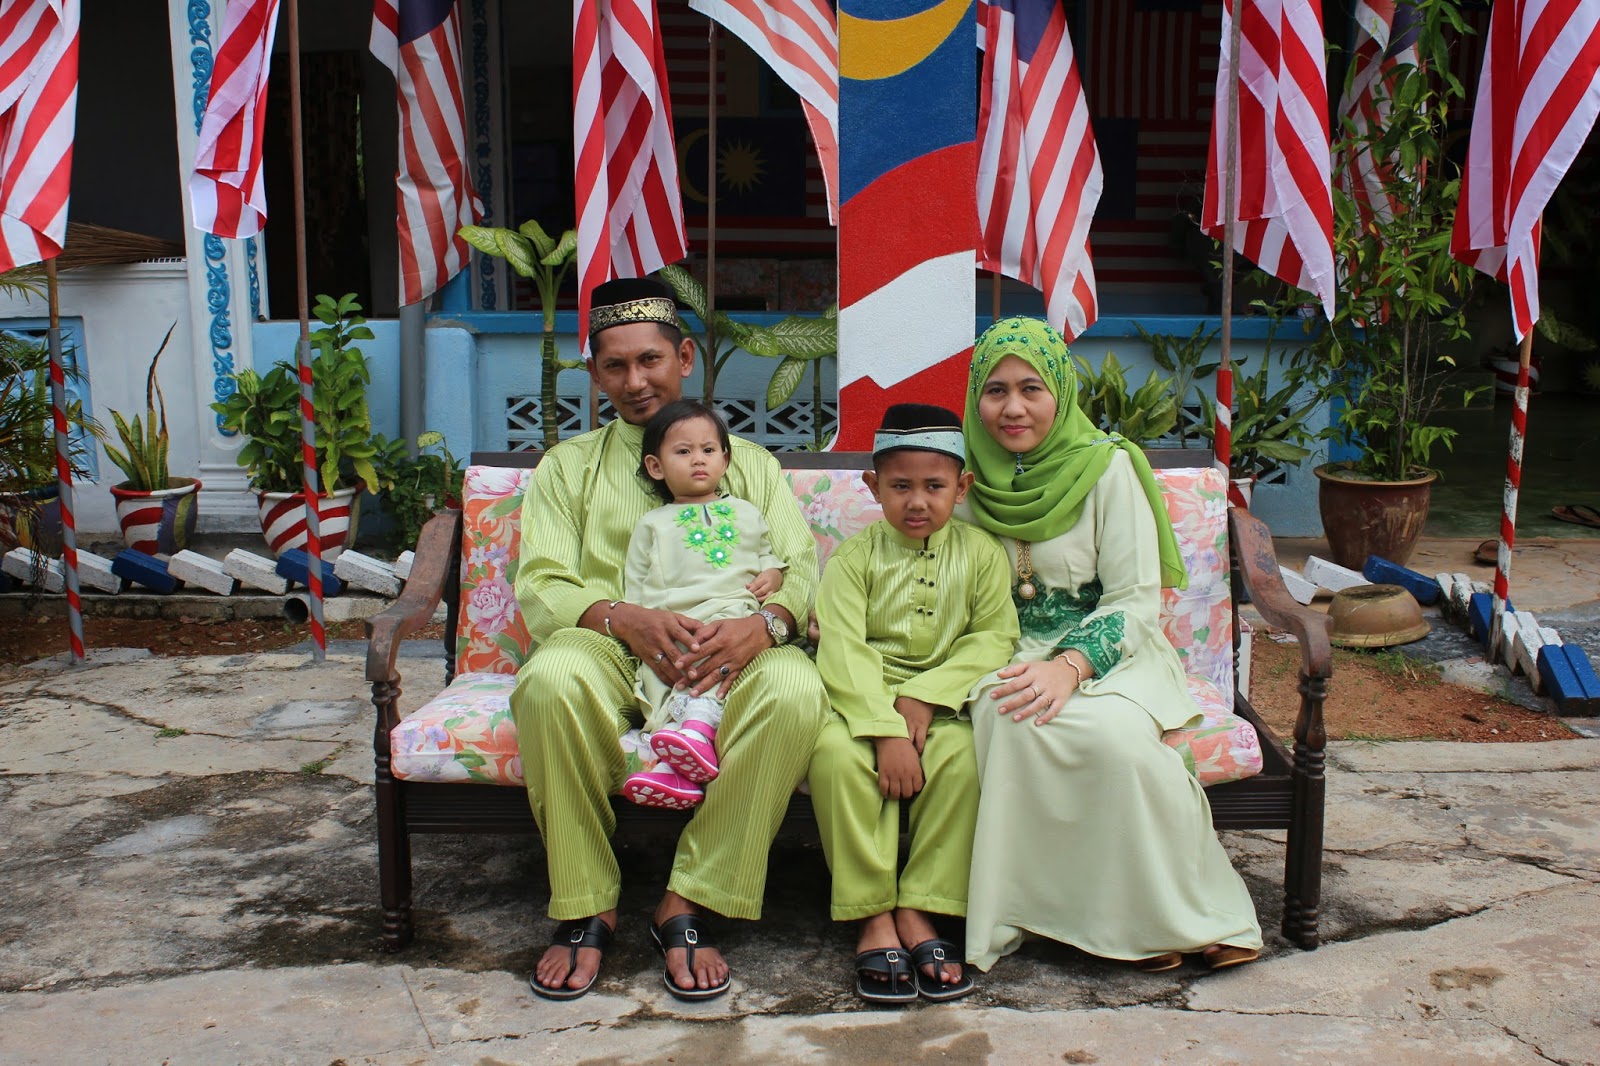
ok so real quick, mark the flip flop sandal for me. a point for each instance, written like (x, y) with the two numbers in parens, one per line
(1579, 514)
(687, 931)
(1159, 963)
(1221, 958)
(936, 953)
(884, 976)
(575, 934)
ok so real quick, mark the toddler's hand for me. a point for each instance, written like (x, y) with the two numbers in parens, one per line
(918, 716)
(766, 583)
(899, 769)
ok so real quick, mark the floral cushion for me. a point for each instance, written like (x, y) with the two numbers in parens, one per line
(1223, 747)
(491, 638)
(1198, 621)
(836, 504)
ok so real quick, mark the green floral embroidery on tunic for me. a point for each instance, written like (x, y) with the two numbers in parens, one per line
(700, 536)
(1055, 611)
(1100, 639)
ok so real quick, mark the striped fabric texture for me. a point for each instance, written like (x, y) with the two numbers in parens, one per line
(1386, 39)
(420, 42)
(1537, 101)
(630, 212)
(38, 105)
(1283, 199)
(799, 41)
(1039, 175)
(227, 192)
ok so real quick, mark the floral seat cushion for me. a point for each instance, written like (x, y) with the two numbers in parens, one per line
(466, 732)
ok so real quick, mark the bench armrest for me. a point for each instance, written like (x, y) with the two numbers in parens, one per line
(430, 572)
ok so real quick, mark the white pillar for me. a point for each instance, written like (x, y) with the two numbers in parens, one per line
(224, 279)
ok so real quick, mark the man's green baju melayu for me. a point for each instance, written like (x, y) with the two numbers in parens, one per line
(924, 618)
(574, 696)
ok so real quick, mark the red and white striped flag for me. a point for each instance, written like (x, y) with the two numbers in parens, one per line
(227, 193)
(1386, 39)
(1039, 176)
(630, 212)
(1537, 101)
(1283, 199)
(800, 42)
(420, 41)
(38, 105)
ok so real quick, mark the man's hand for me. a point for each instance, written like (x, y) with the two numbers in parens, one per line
(899, 769)
(918, 716)
(654, 637)
(766, 583)
(719, 650)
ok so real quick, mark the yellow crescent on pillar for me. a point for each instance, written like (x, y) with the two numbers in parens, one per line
(871, 49)
(689, 191)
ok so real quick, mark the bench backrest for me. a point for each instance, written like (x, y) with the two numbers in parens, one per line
(835, 501)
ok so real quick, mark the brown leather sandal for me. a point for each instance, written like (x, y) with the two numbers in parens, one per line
(1159, 963)
(1226, 955)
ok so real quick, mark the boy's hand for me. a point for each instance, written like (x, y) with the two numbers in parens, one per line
(766, 583)
(918, 716)
(813, 631)
(899, 769)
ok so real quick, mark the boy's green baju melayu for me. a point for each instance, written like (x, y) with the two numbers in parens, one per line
(924, 618)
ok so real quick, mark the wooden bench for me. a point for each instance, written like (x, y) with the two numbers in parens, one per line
(452, 766)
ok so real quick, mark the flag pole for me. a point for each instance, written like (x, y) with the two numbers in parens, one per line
(58, 412)
(308, 428)
(1224, 394)
(1508, 511)
(709, 373)
(994, 294)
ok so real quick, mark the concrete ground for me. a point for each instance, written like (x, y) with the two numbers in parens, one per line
(187, 875)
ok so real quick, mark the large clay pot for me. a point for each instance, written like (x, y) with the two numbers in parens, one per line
(1362, 518)
(283, 520)
(160, 522)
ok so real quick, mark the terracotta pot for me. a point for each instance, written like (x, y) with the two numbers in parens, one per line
(160, 522)
(1362, 518)
(283, 520)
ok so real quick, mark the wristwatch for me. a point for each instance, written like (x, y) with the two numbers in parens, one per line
(777, 629)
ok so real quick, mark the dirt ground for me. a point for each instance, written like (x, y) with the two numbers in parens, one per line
(1382, 695)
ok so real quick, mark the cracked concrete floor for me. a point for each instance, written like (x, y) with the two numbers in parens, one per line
(187, 876)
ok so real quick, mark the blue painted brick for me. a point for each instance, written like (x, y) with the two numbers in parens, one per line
(6, 584)
(1570, 680)
(295, 565)
(147, 571)
(1425, 590)
(1480, 616)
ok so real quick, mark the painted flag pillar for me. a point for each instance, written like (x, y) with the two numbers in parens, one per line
(908, 231)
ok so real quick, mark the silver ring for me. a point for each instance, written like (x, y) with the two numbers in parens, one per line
(660, 655)
(723, 670)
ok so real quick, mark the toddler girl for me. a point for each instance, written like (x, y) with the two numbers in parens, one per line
(704, 555)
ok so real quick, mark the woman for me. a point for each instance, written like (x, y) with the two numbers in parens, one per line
(1091, 831)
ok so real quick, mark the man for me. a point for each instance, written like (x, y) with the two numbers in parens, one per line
(574, 696)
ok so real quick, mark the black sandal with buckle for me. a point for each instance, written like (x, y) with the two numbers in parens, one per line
(937, 953)
(576, 934)
(687, 931)
(884, 976)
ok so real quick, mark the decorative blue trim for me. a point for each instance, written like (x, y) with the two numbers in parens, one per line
(255, 278)
(221, 334)
(200, 56)
(483, 149)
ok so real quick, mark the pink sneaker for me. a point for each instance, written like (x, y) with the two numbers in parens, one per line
(663, 789)
(689, 750)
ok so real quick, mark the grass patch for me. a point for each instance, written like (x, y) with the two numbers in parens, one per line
(1375, 738)
(1398, 664)
(170, 731)
(315, 767)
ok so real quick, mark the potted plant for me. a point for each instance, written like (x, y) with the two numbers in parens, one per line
(419, 486)
(1142, 416)
(1184, 359)
(1401, 303)
(265, 410)
(534, 254)
(156, 511)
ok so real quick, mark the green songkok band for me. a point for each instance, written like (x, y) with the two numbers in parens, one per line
(1045, 497)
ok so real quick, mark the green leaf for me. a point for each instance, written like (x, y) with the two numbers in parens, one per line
(689, 291)
(564, 251)
(785, 379)
(542, 244)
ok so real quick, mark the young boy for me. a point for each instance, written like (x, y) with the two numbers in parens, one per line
(913, 611)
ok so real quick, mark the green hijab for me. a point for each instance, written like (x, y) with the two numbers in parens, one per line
(1046, 498)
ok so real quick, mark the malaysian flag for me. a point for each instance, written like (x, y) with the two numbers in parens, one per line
(227, 194)
(1537, 101)
(630, 214)
(1386, 39)
(38, 105)
(420, 42)
(1038, 171)
(1283, 200)
(798, 40)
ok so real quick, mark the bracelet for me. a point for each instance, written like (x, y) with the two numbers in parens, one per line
(1062, 658)
(612, 606)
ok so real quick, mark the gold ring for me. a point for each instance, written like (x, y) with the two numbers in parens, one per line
(1036, 692)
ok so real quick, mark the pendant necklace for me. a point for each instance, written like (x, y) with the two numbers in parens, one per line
(1025, 587)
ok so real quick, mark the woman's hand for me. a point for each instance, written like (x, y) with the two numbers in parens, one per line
(1039, 690)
